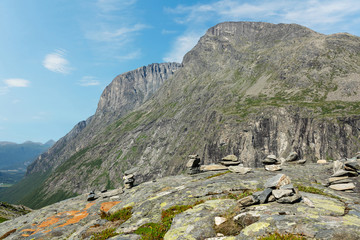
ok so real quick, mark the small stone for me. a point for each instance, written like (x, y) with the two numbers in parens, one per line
(288, 186)
(91, 196)
(240, 170)
(194, 156)
(127, 186)
(308, 202)
(232, 158)
(291, 199)
(292, 157)
(271, 198)
(277, 181)
(282, 193)
(341, 181)
(273, 168)
(220, 235)
(247, 201)
(322, 161)
(301, 161)
(342, 187)
(341, 173)
(219, 220)
(114, 197)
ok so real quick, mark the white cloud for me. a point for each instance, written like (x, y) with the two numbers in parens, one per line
(119, 35)
(87, 81)
(56, 62)
(165, 31)
(182, 45)
(16, 82)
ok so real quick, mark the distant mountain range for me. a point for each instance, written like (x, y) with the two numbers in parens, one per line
(14, 159)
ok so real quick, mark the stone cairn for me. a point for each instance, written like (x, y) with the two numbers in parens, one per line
(230, 160)
(129, 180)
(193, 165)
(272, 163)
(345, 170)
(277, 188)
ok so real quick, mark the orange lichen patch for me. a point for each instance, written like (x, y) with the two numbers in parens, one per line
(28, 230)
(89, 205)
(48, 222)
(47, 231)
(34, 224)
(77, 217)
(69, 213)
(106, 206)
(25, 235)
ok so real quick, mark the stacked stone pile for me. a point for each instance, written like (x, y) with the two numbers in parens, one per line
(129, 180)
(271, 163)
(230, 160)
(277, 188)
(193, 165)
(345, 171)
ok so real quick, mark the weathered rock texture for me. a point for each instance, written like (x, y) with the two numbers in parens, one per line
(248, 89)
(329, 215)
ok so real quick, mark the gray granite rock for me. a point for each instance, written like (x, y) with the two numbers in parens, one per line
(292, 157)
(277, 181)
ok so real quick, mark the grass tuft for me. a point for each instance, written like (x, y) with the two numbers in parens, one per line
(122, 215)
(107, 233)
(314, 190)
(218, 174)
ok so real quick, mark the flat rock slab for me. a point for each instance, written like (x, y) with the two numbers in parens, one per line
(232, 158)
(342, 172)
(239, 169)
(272, 168)
(342, 187)
(213, 167)
(282, 193)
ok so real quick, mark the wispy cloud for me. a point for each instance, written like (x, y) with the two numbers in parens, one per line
(87, 81)
(56, 62)
(130, 56)
(182, 45)
(16, 82)
(120, 35)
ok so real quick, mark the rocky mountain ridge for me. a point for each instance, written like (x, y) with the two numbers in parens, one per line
(248, 89)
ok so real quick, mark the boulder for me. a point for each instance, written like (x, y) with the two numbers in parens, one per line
(354, 165)
(91, 196)
(273, 168)
(232, 158)
(241, 170)
(277, 181)
(282, 193)
(343, 187)
(293, 156)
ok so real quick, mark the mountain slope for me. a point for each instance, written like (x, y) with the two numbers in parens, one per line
(249, 89)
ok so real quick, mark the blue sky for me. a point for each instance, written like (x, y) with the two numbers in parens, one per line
(57, 56)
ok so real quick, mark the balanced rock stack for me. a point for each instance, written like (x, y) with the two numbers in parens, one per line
(271, 163)
(345, 171)
(193, 165)
(230, 160)
(277, 188)
(129, 180)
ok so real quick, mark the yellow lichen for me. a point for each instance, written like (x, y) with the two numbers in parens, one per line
(162, 205)
(351, 220)
(255, 227)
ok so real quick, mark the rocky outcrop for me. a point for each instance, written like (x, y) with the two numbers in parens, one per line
(212, 205)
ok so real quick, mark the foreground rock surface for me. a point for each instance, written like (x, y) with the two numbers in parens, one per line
(314, 215)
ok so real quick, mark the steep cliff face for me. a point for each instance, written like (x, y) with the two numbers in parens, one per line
(249, 89)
